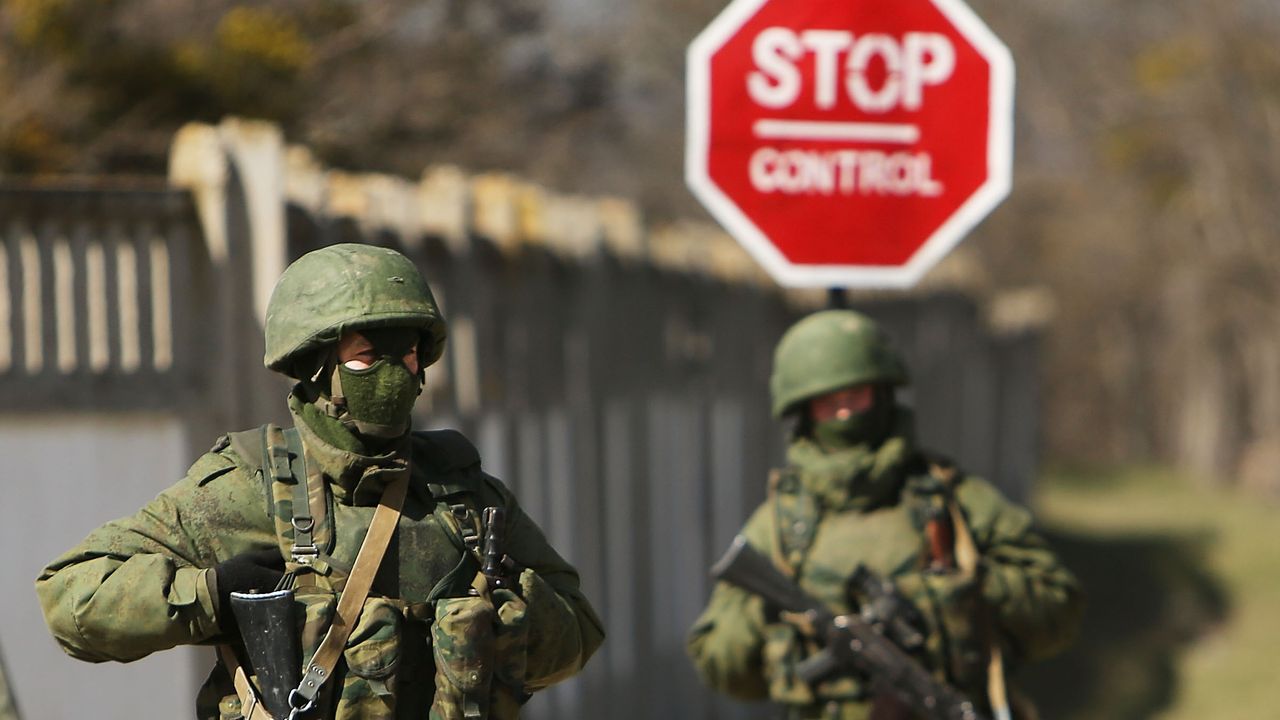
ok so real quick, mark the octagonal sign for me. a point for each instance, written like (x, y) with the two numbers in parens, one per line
(849, 142)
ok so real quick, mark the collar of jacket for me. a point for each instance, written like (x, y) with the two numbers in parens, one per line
(354, 478)
(856, 478)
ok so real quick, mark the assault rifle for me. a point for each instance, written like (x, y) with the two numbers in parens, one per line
(851, 642)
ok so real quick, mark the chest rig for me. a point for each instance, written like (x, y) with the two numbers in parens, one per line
(302, 508)
(927, 493)
(386, 638)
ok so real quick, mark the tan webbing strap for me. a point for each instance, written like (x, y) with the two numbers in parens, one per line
(381, 529)
(966, 550)
(250, 707)
(776, 551)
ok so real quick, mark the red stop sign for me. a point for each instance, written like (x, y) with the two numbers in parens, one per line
(849, 142)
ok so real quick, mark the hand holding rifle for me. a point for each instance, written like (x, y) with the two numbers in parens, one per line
(852, 644)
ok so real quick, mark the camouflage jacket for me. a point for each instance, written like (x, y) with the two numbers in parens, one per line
(140, 584)
(741, 648)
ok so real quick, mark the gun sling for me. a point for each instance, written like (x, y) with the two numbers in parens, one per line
(383, 526)
(967, 557)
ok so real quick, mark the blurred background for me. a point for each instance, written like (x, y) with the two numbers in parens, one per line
(1105, 346)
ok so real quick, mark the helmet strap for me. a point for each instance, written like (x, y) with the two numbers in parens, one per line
(328, 397)
(337, 399)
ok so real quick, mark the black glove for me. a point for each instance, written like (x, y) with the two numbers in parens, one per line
(255, 571)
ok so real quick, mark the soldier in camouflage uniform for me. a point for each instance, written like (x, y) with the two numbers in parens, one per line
(356, 326)
(857, 491)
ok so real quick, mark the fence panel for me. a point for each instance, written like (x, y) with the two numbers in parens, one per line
(99, 290)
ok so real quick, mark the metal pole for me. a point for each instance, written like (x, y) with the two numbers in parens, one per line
(837, 298)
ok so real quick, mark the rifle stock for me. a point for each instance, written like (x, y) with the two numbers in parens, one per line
(852, 644)
(270, 638)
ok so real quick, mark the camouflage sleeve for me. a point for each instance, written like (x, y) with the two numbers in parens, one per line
(139, 584)
(1036, 600)
(564, 630)
(726, 642)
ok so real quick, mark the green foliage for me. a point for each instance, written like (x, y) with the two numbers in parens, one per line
(31, 146)
(249, 66)
(136, 77)
(65, 28)
(262, 37)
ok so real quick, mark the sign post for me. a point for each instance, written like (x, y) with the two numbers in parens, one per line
(849, 142)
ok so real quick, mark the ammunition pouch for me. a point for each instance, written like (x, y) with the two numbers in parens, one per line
(372, 657)
(462, 639)
(480, 654)
(511, 639)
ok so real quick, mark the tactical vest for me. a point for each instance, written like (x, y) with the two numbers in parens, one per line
(926, 498)
(431, 647)
(926, 494)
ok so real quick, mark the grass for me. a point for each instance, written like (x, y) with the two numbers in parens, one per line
(1184, 598)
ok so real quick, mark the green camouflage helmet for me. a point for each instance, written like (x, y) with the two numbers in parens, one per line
(829, 350)
(347, 287)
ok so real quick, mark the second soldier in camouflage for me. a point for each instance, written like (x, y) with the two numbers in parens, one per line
(857, 493)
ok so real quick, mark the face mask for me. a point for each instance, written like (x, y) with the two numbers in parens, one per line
(379, 398)
(869, 427)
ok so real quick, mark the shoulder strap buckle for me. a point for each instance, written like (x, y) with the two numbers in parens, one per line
(467, 528)
(283, 461)
(304, 554)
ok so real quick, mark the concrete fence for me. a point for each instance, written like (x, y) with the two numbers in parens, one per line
(613, 373)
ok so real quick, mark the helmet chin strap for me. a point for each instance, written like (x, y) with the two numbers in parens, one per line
(330, 400)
